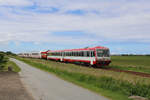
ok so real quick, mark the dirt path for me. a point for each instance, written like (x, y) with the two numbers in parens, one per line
(45, 86)
(11, 87)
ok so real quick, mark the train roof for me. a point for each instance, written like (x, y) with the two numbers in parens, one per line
(45, 51)
(81, 49)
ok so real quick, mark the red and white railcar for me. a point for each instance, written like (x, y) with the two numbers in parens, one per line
(93, 56)
(44, 54)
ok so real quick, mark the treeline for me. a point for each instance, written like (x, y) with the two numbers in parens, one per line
(9, 53)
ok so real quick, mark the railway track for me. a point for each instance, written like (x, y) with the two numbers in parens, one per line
(130, 72)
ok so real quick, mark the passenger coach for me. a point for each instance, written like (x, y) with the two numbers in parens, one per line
(99, 56)
(30, 55)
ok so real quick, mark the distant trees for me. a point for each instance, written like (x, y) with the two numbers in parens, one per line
(10, 53)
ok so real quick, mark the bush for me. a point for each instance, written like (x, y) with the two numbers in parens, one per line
(3, 61)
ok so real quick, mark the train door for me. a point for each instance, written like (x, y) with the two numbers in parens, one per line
(62, 56)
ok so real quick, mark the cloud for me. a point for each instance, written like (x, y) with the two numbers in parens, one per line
(15, 2)
(38, 20)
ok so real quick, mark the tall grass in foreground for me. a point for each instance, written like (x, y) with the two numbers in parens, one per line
(117, 89)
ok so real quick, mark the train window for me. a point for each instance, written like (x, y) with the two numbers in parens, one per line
(68, 53)
(101, 53)
(79, 54)
(88, 53)
(76, 53)
(64, 53)
(82, 53)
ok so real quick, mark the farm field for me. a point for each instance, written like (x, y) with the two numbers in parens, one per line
(133, 63)
(115, 85)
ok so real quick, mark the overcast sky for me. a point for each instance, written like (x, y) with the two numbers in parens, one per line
(33, 25)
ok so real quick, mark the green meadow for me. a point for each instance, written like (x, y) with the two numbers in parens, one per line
(133, 63)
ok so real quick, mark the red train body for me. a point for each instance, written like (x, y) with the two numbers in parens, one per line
(44, 54)
(95, 56)
(99, 56)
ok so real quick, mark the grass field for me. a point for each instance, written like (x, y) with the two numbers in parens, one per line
(134, 63)
(115, 85)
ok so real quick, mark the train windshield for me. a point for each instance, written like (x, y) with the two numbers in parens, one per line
(103, 53)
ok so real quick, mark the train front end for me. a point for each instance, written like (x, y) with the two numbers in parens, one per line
(103, 57)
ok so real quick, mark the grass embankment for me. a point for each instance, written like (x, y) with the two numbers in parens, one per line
(5, 64)
(132, 63)
(13, 65)
(115, 85)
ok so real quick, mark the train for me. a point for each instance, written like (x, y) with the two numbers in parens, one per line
(92, 56)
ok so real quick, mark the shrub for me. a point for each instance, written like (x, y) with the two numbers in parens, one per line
(3, 61)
